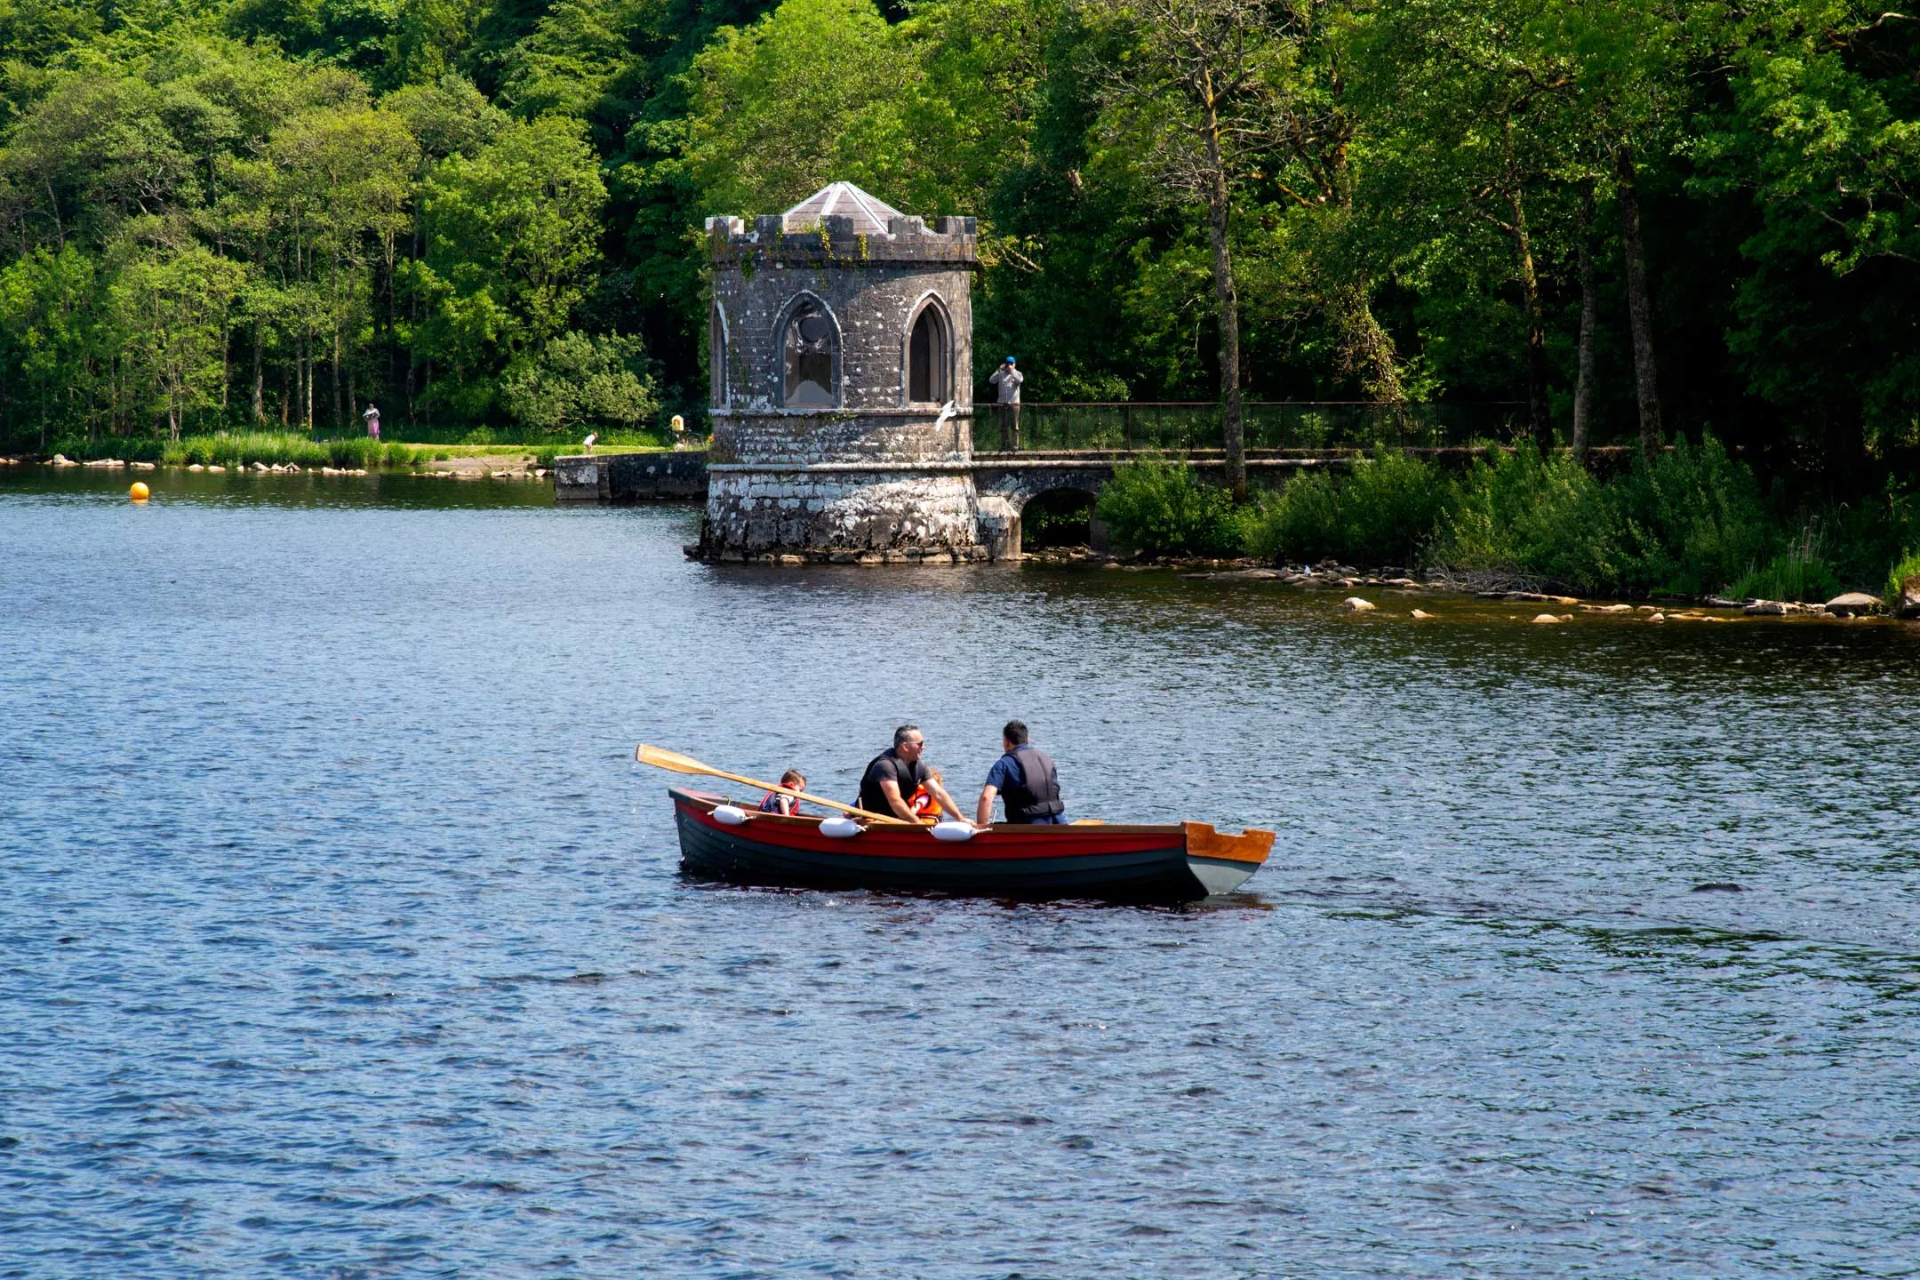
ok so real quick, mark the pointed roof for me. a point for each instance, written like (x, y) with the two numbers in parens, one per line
(844, 200)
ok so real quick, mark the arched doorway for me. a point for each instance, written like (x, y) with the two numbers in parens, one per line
(1056, 518)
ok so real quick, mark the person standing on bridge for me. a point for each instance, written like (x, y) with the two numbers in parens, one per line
(1007, 380)
(1025, 776)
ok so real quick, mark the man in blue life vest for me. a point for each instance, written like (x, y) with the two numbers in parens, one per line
(1025, 779)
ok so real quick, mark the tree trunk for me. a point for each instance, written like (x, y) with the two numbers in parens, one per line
(1538, 418)
(1366, 349)
(1219, 204)
(259, 386)
(339, 410)
(1639, 309)
(1589, 321)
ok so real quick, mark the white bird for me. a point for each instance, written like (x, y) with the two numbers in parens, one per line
(946, 412)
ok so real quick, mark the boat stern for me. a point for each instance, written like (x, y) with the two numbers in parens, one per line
(1221, 862)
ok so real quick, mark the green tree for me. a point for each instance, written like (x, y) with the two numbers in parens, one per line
(511, 246)
(169, 301)
(814, 92)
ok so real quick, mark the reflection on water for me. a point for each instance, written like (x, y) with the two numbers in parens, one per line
(342, 936)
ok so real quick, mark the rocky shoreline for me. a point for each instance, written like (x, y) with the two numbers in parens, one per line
(489, 467)
(1490, 586)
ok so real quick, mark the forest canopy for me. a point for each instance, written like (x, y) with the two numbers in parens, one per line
(1628, 216)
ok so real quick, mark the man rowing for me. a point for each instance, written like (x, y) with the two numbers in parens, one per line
(891, 778)
(1025, 778)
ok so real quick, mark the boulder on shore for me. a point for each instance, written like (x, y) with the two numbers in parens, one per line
(1907, 604)
(1766, 609)
(1356, 605)
(1853, 602)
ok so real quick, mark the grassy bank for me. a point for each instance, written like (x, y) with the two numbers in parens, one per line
(1695, 522)
(271, 447)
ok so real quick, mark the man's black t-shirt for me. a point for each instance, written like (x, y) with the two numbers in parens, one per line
(884, 766)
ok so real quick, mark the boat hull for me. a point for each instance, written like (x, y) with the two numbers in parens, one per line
(1116, 863)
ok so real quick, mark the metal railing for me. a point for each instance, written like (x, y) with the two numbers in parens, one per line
(1177, 426)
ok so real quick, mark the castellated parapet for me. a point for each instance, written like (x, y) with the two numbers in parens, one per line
(841, 383)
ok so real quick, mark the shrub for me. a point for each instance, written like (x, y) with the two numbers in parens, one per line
(1385, 511)
(1162, 507)
(1392, 504)
(1301, 522)
(1516, 510)
(581, 382)
(1801, 572)
(1908, 566)
(1690, 522)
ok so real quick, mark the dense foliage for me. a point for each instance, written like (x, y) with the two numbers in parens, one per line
(1161, 506)
(1641, 217)
(1694, 522)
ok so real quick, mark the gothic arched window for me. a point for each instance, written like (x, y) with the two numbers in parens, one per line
(927, 358)
(811, 344)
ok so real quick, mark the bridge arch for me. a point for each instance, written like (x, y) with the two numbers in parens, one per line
(1004, 492)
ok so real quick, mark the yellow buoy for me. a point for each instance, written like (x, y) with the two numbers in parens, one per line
(139, 491)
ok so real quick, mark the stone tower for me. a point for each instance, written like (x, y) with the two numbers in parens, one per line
(842, 384)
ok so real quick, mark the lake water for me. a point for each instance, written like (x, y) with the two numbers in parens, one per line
(341, 936)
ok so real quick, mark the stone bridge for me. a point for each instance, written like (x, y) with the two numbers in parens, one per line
(1003, 483)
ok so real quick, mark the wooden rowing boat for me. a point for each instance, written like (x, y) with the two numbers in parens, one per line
(1181, 862)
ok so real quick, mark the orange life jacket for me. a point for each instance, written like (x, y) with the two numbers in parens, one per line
(923, 804)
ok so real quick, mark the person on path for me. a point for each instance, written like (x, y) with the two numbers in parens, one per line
(372, 415)
(588, 442)
(1007, 380)
(895, 774)
(1024, 775)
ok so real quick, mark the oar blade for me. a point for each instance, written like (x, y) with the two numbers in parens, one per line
(672, 760)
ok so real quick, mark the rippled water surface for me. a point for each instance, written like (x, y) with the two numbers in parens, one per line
(340, 936)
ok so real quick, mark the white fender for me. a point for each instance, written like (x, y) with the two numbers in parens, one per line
(729, 815)
(840, 828)
(952, 831)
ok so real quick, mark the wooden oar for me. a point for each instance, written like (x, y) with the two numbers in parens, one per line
(678, 763)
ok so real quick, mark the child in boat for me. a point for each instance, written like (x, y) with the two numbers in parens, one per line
(774, 802)
(922, 802)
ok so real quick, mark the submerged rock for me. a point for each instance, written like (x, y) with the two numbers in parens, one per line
(1356, 604)
(1421, 613)
(1548, 617)
(1767, 609)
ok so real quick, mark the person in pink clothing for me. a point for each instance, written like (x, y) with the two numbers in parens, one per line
(372, 415)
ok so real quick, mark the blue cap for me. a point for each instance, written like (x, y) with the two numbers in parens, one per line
(1009, 359)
